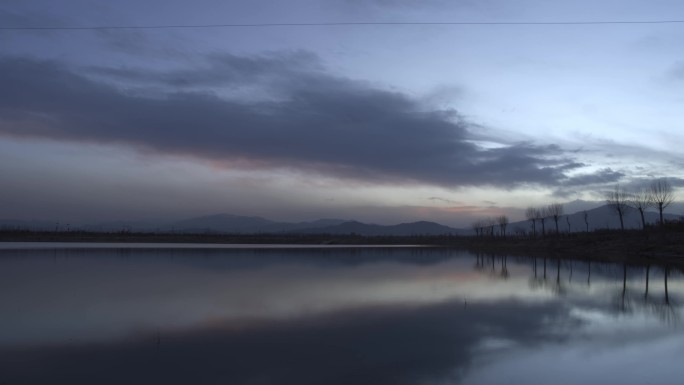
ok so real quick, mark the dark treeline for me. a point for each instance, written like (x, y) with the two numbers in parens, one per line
(665, 243)
(23, 235)
(548, 220)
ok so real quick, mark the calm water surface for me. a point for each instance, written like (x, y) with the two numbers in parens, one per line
(107, 314)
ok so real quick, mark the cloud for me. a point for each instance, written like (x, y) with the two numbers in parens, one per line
(222, 70)
(444, 200)
(290, 113)
(603, 176)
(641, 183)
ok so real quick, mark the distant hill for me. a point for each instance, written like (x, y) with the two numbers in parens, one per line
(403, 229)
(602, 217)
(226, 223)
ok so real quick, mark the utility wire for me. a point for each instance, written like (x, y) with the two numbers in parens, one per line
(332, 24)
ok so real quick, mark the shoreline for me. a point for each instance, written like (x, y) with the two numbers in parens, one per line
(635, 246)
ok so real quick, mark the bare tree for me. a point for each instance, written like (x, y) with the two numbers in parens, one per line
(531, 214)
(567, 219)
(662, 196)
(502, 220)
(586, 219)
(541, 216)
(477, 226)
(555, 210)
(641, 201)
(617, 200)
(489, 224)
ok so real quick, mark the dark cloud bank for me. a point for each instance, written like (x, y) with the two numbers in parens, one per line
(296, 115)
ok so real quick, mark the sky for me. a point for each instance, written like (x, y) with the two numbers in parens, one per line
(377, 123)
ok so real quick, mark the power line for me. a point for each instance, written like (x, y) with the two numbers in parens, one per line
(333, 24)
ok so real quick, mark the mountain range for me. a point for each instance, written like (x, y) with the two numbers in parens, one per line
(225, 223)
(603, 217)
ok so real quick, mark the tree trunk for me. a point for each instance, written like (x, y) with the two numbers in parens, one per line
(556, 220)
(660, 209)
(622, 223)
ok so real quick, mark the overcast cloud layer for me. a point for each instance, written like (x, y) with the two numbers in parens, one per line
(382, 123)
(299, 117)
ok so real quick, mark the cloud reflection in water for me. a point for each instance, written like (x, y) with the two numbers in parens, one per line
(323, 317)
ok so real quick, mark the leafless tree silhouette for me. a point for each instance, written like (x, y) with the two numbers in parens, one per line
(477, 226)
(618, 199)
(502, 220)
(662, 196)
(555, 210)
(531, 215)
(541, 216)
(489, 223)
(641, 201)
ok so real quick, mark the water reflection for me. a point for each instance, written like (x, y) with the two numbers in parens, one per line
(332, 316)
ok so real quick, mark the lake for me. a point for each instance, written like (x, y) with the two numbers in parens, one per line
(207, 314)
